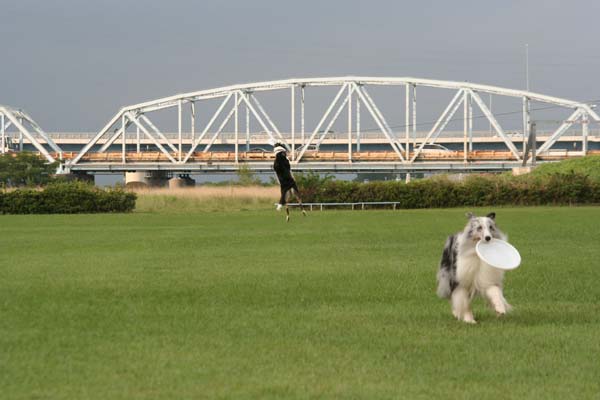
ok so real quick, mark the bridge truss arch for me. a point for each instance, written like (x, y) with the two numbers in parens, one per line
(175, 155)
(16, 124)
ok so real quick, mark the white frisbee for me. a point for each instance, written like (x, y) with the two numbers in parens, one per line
(498, 254)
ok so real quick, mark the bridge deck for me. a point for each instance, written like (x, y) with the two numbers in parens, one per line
(321, 156)
(321, 161)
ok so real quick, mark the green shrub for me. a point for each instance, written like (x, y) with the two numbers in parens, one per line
(588, 165)
(310, 183)
(474, 191)
(25, 169)
(66, 198)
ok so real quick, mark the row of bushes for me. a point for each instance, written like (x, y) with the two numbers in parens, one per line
(588, 165)
(66, 198)
(475, 190)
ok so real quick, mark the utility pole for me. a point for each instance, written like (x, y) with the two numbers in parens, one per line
(527, 65)
(533, 141)
(526, 111)
(530, 145)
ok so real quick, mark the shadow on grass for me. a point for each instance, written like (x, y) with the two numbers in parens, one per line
(530, 316)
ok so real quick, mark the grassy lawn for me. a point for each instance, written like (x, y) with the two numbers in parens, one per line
(336, 305)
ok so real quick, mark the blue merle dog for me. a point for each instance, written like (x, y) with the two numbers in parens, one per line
(462, 274)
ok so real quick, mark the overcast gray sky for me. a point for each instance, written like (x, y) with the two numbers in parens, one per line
(72, 63)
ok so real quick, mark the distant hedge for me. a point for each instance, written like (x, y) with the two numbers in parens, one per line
(588, 165)
(66, 198)
(474, 191)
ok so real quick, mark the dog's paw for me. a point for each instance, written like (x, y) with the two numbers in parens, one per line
(502, 311)
(287, 218)
(468, 318)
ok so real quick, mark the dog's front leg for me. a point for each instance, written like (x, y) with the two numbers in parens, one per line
(461, 305)
(496, 299)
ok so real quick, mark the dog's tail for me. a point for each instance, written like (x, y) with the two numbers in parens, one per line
(444, 289)
(445, 279)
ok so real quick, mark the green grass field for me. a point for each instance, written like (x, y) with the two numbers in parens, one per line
(336, 305)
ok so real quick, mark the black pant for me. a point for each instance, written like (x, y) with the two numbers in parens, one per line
(284, 191)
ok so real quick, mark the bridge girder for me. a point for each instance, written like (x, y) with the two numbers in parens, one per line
(350, 88)
(20, 120)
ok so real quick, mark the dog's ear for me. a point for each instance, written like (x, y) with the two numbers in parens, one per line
(491, 215)
(470, 215)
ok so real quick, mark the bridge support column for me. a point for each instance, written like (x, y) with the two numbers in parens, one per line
(516, 171)
(146, 179)
(181, 181)
(136, 179)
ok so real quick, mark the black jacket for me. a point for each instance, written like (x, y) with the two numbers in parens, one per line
(283, 170)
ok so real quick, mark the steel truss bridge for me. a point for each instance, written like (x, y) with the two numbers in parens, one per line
(193, 150)
(25, 127)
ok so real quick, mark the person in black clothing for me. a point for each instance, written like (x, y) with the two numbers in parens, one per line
(286, 180)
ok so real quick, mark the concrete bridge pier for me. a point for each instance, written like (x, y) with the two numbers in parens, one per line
(144, 179)
(136, 179)
(516, 171)
(181, 181)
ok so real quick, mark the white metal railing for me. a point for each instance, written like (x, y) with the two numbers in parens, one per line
(361, 205)
(264, 138)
